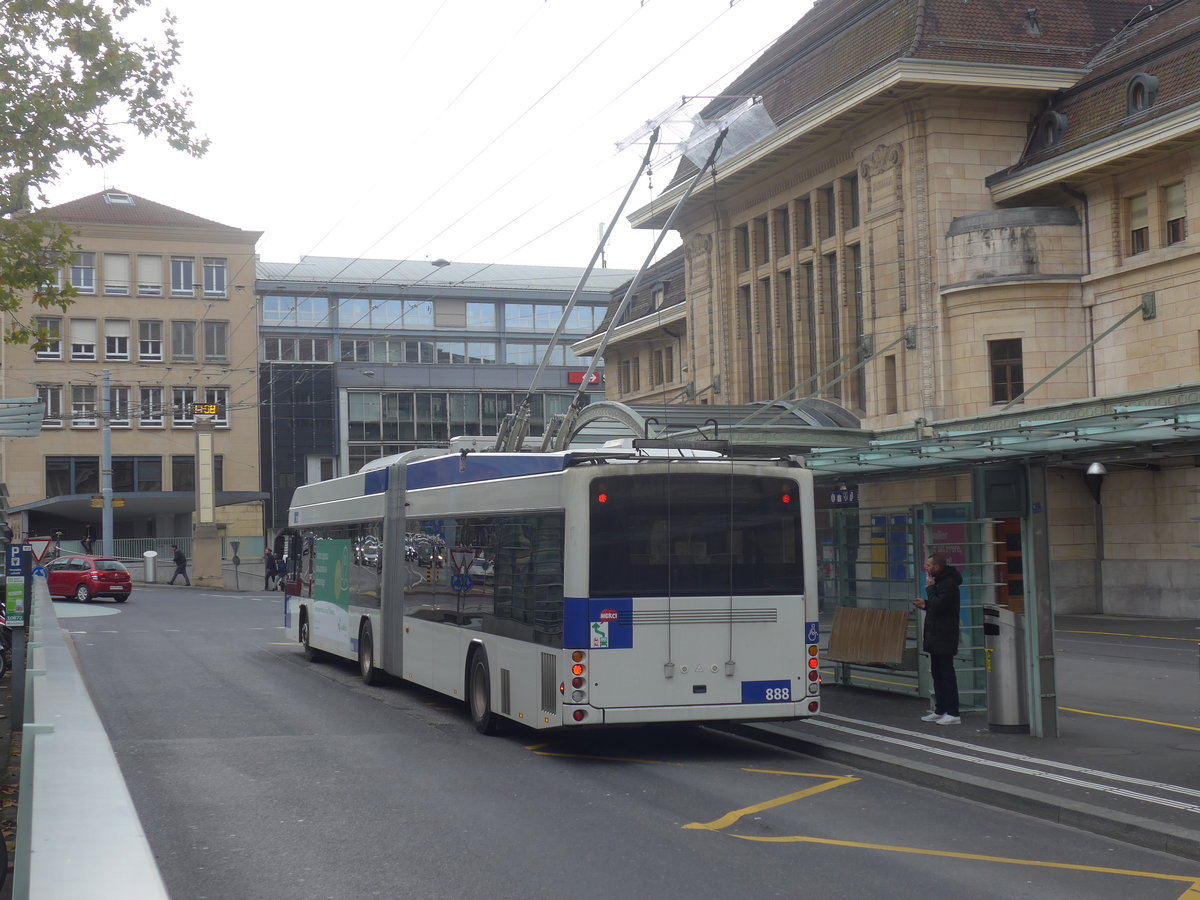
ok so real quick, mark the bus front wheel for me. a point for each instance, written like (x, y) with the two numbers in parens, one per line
(313, 654)
(479, 696)
(371, 673)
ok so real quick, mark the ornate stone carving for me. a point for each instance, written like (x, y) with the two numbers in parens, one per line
(696, 257)
(881, 173)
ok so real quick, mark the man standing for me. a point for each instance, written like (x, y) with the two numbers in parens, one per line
(940, 638)
(180, 567)
(272, 570)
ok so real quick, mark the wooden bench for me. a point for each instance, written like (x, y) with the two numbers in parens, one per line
(868, 637)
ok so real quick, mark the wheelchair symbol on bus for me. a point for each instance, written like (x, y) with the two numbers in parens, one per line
(814, 632)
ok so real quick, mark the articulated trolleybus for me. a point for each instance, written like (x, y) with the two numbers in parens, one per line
(567, 589)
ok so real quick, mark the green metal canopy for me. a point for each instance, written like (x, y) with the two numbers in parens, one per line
(21, 417)
(1124, 433)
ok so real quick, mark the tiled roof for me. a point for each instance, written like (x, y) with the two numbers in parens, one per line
(1164, 42)
(840, 41)
(96, 210)
(668, 271)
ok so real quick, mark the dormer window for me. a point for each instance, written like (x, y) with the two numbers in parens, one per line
(1140, 93)
(659, 293)
(1050, 130)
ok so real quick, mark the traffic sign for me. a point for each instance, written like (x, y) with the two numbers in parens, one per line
(461, 558)
(39, 547)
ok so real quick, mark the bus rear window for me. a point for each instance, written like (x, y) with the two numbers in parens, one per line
(694, 535)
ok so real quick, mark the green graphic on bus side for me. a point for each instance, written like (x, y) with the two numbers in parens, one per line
(331, 573)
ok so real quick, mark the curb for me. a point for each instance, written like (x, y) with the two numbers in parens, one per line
(1143, 832)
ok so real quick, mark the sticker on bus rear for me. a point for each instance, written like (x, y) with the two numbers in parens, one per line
(766, 691)
(598, 624)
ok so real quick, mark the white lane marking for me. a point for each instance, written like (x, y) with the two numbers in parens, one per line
(79, 610)
(1020, 770)
(1022, 757)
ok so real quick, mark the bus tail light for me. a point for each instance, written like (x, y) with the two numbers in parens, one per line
(579, 715)
(813, 706)
(578, 682)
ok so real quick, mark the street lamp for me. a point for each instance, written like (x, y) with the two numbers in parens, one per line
(1094, 478)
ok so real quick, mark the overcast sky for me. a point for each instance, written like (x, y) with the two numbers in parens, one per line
(472, 130)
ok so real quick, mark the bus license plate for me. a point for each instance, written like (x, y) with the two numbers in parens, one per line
(766, 691)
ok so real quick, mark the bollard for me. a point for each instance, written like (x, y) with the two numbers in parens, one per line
(150, 560)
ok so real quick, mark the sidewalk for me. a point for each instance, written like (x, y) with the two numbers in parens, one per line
(1131, 779)
(10, 778)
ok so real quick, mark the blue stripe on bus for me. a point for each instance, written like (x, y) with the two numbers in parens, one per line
(590, 624)
(375, 482)
(479, 467)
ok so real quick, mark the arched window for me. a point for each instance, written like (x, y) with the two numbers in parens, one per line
(1140, 93)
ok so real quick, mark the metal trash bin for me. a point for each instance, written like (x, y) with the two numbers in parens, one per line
(150, 558)
(1004, 643)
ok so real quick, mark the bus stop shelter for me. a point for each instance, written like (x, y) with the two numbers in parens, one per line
(1018, 447)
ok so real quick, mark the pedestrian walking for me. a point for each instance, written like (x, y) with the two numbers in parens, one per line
(272, 571)
(88, 541)
(180, 567)
(940, 636)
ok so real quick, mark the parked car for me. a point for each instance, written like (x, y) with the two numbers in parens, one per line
(85, 577)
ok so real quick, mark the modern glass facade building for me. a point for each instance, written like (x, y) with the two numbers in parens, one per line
(362, 358)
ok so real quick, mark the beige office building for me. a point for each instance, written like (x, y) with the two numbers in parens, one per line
(166, 317)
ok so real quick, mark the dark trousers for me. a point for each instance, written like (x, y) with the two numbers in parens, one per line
(945, 683)
(181, 570)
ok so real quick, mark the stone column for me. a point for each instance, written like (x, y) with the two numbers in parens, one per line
(206, 541)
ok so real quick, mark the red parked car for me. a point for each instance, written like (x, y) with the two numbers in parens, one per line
(85, 577)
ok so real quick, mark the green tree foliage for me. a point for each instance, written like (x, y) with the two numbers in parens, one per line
(71, 83)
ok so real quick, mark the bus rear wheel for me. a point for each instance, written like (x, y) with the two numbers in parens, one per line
(479, 695)
(371, 673)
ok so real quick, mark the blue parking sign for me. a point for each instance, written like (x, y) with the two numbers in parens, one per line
(14, 559)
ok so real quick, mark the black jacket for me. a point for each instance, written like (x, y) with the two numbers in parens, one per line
(180, 559)
(941, 613)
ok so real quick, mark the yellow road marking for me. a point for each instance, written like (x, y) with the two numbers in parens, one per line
(725, 821)
(1084, 712)
(976, 857)
(832, 781)
(1149, 637)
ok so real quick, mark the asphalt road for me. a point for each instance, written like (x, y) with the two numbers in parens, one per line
(1135, 667)
(260, 775)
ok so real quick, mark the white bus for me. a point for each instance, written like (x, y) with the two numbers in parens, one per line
(574, 588)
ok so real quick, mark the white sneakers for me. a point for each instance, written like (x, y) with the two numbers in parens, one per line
(940, 719)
